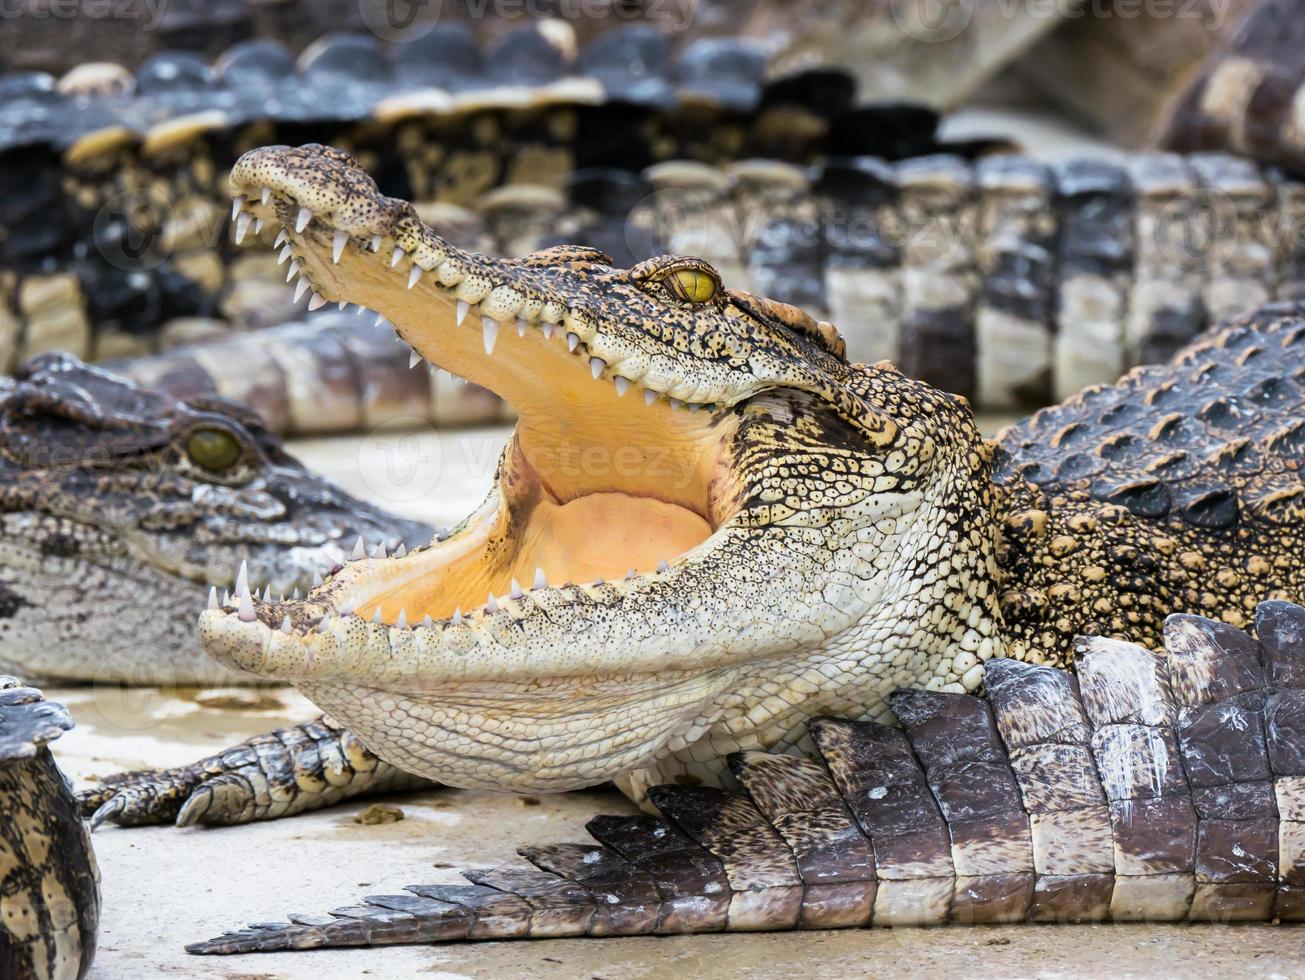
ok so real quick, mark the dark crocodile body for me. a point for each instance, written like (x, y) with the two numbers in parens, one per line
(1008, 281)
(113, 185)
(49, 882)
(1154, 786)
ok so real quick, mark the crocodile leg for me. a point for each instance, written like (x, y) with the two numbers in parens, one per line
(280, 774)
(1155, 786)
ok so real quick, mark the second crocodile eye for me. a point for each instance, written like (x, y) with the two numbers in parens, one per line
(213, 449)
(691, 285)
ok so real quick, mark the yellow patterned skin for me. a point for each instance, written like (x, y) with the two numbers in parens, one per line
(833, 532)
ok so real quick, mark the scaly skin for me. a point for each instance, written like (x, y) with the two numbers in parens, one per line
(1157, 786)
(113, 184)
(49, 882)
(1008, 281)
(834, 531)
(113, 533)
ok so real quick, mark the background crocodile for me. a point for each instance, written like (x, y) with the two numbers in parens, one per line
(834, 532)
(121, 508)
(1008, 281)
(1155, 787)
(112, 188)
(49, 882)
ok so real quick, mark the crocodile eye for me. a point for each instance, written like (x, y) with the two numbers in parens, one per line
(691, 285)
(214, 450)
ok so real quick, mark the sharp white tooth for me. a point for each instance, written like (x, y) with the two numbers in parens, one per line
(242, 225)
(376, 616)
(541, 581)
(413, 275)
(622, 384)
(226, 598)
(379, 551)
(516, 592)
(341, 305)
(413, 359)
(296, 595)
(572, 341)
(427, 621)
(317, 302)
(245, 607)
(489, 330)
(360, 310)
(236, 204)
(461, 315)
(649, 396)
(285, 625)
(212, 597)
(242, 578)
(491, 603)
(596, 366)
(338, 241)
(282, 237)
(457, 617)
(280, 599)
(359, 550)
(266, 195)
(284, 254)
(302, 217)
(348, 606)
(379, 320)
(663, 566)
(292, 271)
(395, 256)
(548, 329)
(600, 581)
(693, 407)
(402, 621)
(521, 326)
(324, 623)
(267, 593)
(301, 287)
(317, 580)
(629, 573)
(258, 226)
(676, 403)
(401, 550)
(376, 243)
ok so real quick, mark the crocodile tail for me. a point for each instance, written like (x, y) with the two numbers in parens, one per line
(1154, 786)
(333, 373)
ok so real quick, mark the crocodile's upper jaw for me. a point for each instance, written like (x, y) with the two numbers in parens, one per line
(635, 566)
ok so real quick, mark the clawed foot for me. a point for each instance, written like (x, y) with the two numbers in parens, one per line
(279, 774)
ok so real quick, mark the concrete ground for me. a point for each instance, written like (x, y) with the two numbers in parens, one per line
(165, 887)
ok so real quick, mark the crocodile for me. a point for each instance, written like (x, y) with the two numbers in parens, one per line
(112, 184)
(49, 881)
(895, 51)
(1009, 281)
(121, 508)
(742, 530)
(1155, 786)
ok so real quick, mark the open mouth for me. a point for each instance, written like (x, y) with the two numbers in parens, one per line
(619, 465)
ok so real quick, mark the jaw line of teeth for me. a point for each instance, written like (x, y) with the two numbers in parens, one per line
(244, 597)
(489, 325)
